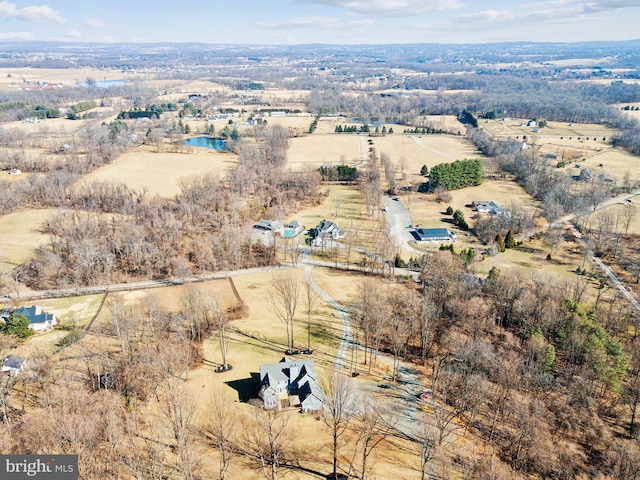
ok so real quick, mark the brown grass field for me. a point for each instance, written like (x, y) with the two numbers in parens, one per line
(631, 113)
(313, 151)
(67, 76)
(584, 144)
(426, 211)
(260, 338)
(20, 235)
(161, 173)
(408, 152)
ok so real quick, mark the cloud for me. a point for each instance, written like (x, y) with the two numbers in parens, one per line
(16, 36)
(390, 7)
(604, 5)
(544, 12)
(516, 17)
(315, 23)
(94, 22)
(33, 13)
(73, 34)
(302, 22)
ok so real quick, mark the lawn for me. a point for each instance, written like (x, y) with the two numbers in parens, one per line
(424, 210)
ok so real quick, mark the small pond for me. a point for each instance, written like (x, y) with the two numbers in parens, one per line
(207, 142)
(101, 83)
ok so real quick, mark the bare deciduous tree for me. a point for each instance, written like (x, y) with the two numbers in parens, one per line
(269, 438)
(371, 430)
(311, 300)
(179, 409)
(338, 411)
(223, 430)
(220, 318)
(283, 301)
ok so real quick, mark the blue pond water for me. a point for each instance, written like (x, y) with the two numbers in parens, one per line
(207, 142)
(288, 233)
(102, 83)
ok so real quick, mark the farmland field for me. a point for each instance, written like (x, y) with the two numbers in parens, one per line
(313, 151)
(161, 173)
(20, 234)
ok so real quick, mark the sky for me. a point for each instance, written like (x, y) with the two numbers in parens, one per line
(319, 21)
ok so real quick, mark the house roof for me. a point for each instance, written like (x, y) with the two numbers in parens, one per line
(35, 314)
(293, 224)
(485, 203)
(268, 224)
(325, 225)
(421, 234)
(298, 374)
(14, 362)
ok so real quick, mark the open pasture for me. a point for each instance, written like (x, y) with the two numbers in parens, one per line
(411, 152)
(66, 76)
(449, 123)
(161, 173)
(614, 163)
(631, 113)
(301, 121)
(619, 212)
(52, 129)
(313, 151)
(20, 234)
(173, 297)
(570, 132)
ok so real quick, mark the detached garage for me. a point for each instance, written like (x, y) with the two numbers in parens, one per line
(432, 235)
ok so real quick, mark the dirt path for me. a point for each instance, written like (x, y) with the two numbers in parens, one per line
(435, 152)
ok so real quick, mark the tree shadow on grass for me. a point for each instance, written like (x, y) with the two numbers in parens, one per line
(247, 388)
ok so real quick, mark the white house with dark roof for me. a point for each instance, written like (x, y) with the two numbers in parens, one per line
(39, 321)
(326, 230)
(489, 206)
(290, 384)
(13, 365)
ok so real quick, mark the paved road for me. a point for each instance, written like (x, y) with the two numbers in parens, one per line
(614, 279)
(145, 284)
(605, 203)
(568, 219)
(398, 218)
(400, 401)
(346, 339)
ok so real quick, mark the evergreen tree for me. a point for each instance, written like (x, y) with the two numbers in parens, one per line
(500, 242)
(424, 171)
(510, 242)
(18, 325)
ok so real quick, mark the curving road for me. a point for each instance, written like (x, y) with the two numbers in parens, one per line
(347, 339)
